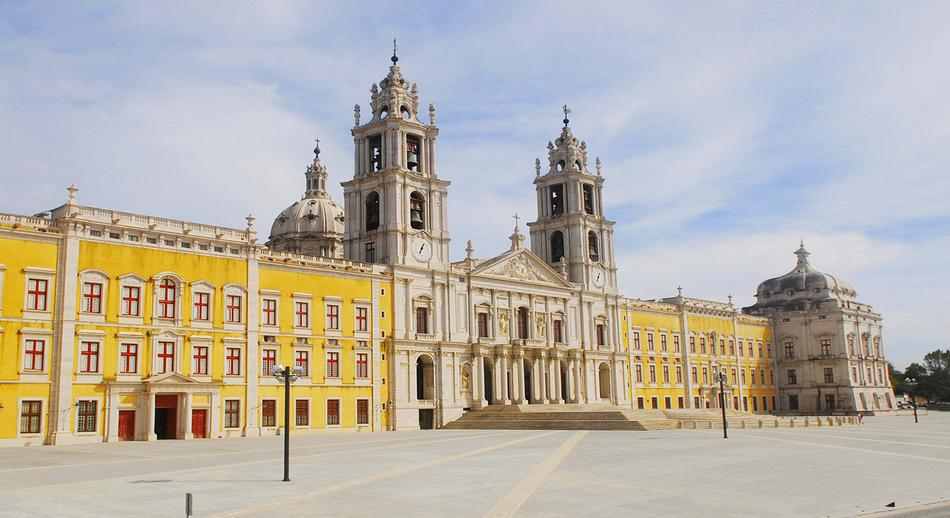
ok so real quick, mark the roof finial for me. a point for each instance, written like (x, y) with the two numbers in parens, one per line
(679, 291)
(567, 111)
(517, 219)
(395, 58)
(469, 250)
(316, 149)
(537, 167)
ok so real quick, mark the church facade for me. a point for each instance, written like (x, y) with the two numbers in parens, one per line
(120, 326)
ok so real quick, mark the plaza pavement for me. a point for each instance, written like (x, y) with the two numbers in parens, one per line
(827, 472)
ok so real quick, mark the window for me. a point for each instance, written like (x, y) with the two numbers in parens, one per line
(483, 326)
(202, 306)
(636, 340)
(302, 362)
(877, 346)
(269, 309)
(362, 365)
(417, 211)
(639, 373)
(792, 377)
(692, 344)
(362, 319)
(702, 344)
(588, 198)
(362, 411)
(558, 331)
(679, 374)
(640, 403)
(679, 402)
(693, 376)
(89, 357)
(268, 413)
(422, 321)
(34, 354)
(234, 309)
(652, 373)
(793, 402)
(302, 412)
(167, 299)
(86, 416)
(829, 375)
(789, 351)
(370, 252)
(372, 212)
(851, 345)
(413, 154)
(166, 358)
(268, 361)
(826, 347)
(666, 374)
(592, 249)
(735, 378)
(302, 314)
(751, 351)
(752, 374)
(705, 376)
(129, 358)
(743, 376)
(333, 364)
(333, 317)
(232, 361)
(654, 403)
(92, 297)
(557, 246)
(650, 345)
(667, 402)
(232, 413)
(30, 416)
(333, 412)
(556, 193)
(37, 294)
(722, 346)
(663, 347)
(199, 356)
(740, 348)
(131, 301)
(601, 335)
(676, 343)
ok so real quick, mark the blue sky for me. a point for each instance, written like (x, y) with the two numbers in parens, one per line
(728, 131)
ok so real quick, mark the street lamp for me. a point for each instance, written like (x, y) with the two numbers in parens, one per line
(722, 403)
(911, 383)
(286, 375)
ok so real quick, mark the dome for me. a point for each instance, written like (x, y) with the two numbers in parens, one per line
(309, 216)
(803, 284)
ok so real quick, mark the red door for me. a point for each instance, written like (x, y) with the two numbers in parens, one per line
(199, 424)
(126, 425)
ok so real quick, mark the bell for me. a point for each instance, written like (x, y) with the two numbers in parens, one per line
(415, 217)
(413, 160)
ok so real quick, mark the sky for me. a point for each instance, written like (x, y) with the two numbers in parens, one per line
(729, 131)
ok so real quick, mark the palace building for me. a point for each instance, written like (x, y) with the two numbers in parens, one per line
(120, 326)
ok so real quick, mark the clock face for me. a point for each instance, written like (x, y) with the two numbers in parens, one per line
(598, 277)
(421, 249)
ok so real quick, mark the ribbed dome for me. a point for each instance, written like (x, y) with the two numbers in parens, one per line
(803, 284)
(309, 216)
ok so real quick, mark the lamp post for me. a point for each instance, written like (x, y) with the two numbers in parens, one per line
(911, 383)
(286, 375)
(722, 403)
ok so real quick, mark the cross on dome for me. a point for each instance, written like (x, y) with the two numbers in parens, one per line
(567, 111)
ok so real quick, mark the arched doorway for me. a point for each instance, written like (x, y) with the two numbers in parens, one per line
(603, 375)
(528, 382)
(489, 387)
(424, 378)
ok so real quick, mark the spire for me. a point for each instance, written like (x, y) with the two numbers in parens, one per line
(469, 250)
(802, 257)
(395, 58)
(394, 96)
(517, 238)
(567, 111)
(567, 153)
(316, 176)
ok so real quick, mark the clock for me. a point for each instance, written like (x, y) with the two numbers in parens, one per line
(421, 249)
(598, 276)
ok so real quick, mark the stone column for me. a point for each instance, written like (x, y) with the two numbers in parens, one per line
(504, 378)
(557, 379)
(113, 418)
(498, 395)
(480, 376)
(186, 407)
(543, 378)
(572, 380)
(413, 377)
(63, 311)
(150, 411)
(215, 415)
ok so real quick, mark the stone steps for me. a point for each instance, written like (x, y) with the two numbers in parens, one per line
(560, 417)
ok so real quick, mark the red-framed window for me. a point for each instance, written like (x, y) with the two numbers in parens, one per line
(34, 354)
(234, 308)
(333, 412)
(362, 365)
(362, 319)
(165, 358)
(362, 411)
(232, 413)
(31, 416)
(268, 413)
(302, 412)
(37, 294)
(129, 358)
(92, 297)
(89, 357)
(270, 312)
(232, 361)
(268, 361)
(302, 361)
(131, 301)
(302, 314)
(202, 306)
(333, 364)
(333, 316)
(86, 416)
(167, 299)
(199, 356)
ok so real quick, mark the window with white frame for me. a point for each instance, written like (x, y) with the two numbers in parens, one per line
(31, 416)
(232, 361)
(268, 361)
(92, 297)
(86, 415)
(362, 365)
(302, 412)
(233, 303)
(34, 354)
(362, 319)
(302, 362)
(89, 357)
(269, 311)
(130, 304)
(362, 411)
(301, 314)
(128, 358)
(201, 306)
(166, 307)
(165, 356)
(333, 317)
(37, 294)
(333, 412)
(333, 364)
(232, 413)
(199, 359)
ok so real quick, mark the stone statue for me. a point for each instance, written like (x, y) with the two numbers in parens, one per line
(503, 322)
(356, 115)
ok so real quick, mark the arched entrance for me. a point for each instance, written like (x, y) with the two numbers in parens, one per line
(603, 376)
(528, 382)
(424, 378)
(489, 387)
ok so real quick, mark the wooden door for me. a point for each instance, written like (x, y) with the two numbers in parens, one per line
(199, 423)
(126, 425)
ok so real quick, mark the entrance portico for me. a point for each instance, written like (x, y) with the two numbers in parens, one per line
(163, 407)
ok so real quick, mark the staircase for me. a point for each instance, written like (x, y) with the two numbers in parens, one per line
(561, 417)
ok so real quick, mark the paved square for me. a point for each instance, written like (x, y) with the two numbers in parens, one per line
(788, 472)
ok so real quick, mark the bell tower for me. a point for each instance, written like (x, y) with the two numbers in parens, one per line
(395, 204)
(571, 226)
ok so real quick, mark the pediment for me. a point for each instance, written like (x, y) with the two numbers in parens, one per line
(521, 265)
(170, 378)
